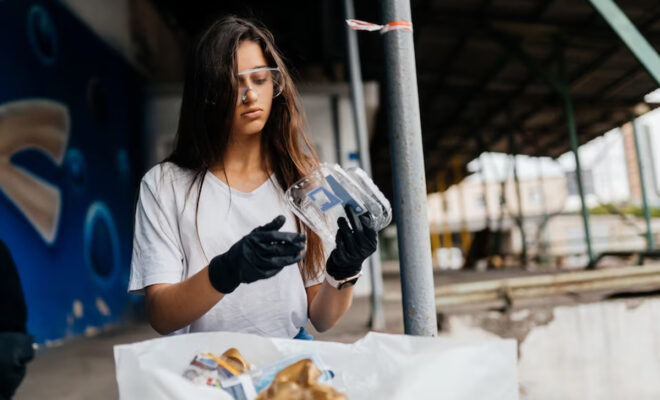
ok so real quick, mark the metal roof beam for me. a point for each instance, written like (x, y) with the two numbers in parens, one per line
(449, 66)
(618, 84)
(622, 108)
(461, 106)
(558, 123)
(478, 122)
(609, 106)
(635, 41)
(482, 85)
(470, 23)
(455, 115)
(560, 139)
(542, 8)
(581, 104)
(627, 77)
(521, 25)
(585, 72)
(517, 52)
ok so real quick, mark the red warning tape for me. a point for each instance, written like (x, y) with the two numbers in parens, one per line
(368, 26)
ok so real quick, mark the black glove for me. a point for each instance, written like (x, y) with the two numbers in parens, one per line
(260, 254)
(15, 352)
(15, 346)
(12, 301)
(353, 245)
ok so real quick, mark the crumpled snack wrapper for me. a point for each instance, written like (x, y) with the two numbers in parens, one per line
(299, 381)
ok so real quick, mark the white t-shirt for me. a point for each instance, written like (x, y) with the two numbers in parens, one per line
(166, 248)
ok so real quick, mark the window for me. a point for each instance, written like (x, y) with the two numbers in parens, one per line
(587, 182)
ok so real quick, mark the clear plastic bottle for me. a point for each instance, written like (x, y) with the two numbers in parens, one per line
(319, 198)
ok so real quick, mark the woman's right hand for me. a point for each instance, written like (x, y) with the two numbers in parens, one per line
(260, 254)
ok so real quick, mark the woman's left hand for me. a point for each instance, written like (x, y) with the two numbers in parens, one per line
(355, 243)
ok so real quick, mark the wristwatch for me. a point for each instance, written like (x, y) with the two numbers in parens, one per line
(343, 283)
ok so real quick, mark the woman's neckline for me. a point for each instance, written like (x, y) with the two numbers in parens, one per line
(254, 191)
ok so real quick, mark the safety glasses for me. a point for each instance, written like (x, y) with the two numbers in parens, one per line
(262, 81)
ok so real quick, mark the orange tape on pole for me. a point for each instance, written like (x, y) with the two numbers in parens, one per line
(368, 26)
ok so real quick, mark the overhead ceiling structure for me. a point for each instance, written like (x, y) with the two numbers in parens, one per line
(478, 85)
(310, 34)
(480, 68)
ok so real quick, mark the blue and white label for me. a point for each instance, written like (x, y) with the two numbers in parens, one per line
(323, 198)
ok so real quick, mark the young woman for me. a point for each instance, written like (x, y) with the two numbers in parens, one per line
(215, 246)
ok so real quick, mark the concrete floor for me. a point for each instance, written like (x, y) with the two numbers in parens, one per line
(83, 368)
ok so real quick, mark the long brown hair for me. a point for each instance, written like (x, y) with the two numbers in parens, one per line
(209, 102)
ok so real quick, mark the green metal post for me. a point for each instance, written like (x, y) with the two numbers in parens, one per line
(645, 205)
(484, 189)
(544, 207)
(559, 86)
(635, 41)
(542, 245)
(521, 217)
(572, 133)
(648, 57)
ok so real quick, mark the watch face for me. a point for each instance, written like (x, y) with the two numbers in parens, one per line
(348, 283)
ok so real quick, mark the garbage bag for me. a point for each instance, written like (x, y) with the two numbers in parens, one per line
(382, 366)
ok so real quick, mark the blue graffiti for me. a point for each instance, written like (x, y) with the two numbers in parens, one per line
(68, 176)
(76, 169)
(101, 243)
(42, 34)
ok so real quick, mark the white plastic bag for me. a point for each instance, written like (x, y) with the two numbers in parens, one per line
(378, 366)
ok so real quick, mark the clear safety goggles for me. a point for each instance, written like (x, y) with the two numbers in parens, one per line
(262, 81)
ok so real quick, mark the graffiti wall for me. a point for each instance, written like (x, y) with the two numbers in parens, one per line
(69, 162)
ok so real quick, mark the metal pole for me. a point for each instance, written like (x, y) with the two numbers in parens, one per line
(544, 212)
(572, 133)
(466, 240)
(484, 189)
(409, 178)
(544, 207)
(627, 32)
(560, 88)
(487, 204)
(645, 205)
(446, 230)
(521, 217)
(357, 91)
(436, 239)
(377, 315)
(564, 91)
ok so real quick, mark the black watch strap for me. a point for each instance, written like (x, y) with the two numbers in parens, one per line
(339, 284)
(348, 283)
